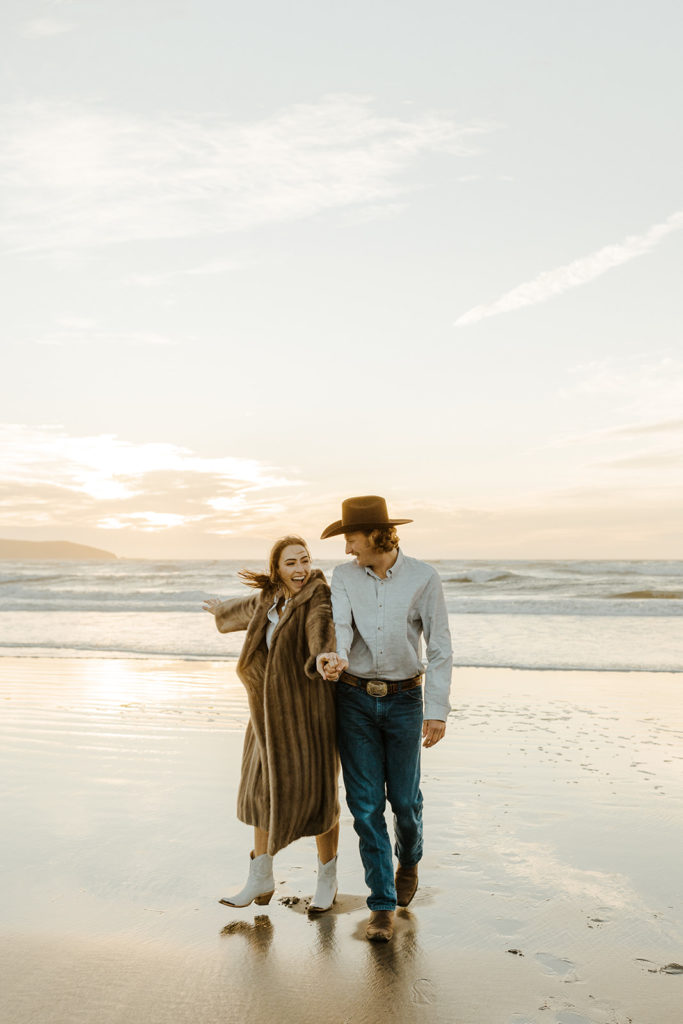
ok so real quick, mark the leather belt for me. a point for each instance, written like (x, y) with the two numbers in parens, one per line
(380, 687)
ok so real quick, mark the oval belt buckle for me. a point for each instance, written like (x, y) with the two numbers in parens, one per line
(377, 688)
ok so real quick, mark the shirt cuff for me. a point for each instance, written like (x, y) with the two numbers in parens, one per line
(436, 712)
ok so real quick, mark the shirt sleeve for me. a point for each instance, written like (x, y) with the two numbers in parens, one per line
(343, 616)
(437, 636)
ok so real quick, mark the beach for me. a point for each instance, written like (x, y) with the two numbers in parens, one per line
(550, 890)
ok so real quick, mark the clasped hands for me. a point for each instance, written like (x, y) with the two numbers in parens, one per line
(330, 666)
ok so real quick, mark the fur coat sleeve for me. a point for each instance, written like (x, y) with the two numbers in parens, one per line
(236, 613)
(319, 628)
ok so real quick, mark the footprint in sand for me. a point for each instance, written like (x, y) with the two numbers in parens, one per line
(423, 992)
(557, 966)
(652, 968)
(569, 1017)
(601, 917)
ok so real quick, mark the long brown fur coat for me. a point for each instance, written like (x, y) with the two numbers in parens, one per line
(290, 764)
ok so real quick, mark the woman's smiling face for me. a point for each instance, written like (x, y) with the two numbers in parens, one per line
(294, 568)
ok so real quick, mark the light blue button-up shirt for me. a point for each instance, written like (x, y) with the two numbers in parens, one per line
(379, 625)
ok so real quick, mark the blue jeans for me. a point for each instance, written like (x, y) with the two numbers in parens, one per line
(379, 745)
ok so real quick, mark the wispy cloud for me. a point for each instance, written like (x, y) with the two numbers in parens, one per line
(49, 477)
(553, 282)
(82, 331)
(81, 175)
(632, 388)
(656, 460)
(624, 432)
(213, 268)
(636, 386)
(636, 429)
(47, 26)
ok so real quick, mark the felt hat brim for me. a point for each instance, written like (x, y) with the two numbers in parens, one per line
(334, 529)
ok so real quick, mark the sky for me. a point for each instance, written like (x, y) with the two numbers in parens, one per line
(262, 257)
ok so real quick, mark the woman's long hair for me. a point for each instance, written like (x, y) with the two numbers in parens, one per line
(270, 581)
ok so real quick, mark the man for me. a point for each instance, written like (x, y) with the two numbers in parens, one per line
(383, 603)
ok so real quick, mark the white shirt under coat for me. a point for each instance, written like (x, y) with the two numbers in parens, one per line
(380, 623)
(273, 619)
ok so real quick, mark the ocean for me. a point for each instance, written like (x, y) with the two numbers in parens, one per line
(600, 615)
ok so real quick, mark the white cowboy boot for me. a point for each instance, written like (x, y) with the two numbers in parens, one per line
(260, 884)
(326, 889)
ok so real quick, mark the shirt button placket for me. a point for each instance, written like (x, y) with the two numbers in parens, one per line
(381, 707)
(380, 629)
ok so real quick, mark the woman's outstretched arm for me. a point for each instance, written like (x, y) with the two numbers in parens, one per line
(234, 614)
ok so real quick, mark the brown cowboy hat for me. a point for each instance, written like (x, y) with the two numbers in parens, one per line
(366, 513)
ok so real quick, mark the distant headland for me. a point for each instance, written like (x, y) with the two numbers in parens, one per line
(56, 550)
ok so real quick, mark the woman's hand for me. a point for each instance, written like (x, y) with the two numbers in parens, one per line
(212, 604)
(330, 666)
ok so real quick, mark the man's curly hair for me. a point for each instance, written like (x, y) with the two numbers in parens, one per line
(384, 538)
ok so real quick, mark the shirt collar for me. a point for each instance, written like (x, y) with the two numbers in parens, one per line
(395, 569)
(272, 611)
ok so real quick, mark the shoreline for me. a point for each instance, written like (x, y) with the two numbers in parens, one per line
(72, 654)
(549, 891)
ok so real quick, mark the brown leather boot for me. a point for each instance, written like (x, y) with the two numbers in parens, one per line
(406, 884)
(380, 926)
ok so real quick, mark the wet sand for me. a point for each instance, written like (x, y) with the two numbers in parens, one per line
(550, 890)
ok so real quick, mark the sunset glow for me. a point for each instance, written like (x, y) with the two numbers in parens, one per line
(313, 270)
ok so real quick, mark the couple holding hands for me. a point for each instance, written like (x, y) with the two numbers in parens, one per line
(336, 673)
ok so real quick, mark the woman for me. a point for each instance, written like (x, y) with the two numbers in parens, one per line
(290, 765)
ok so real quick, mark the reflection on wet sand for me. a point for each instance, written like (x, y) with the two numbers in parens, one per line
(325, 927)
(259, 935)
(390, 973)
(550, 891)
(389, 977)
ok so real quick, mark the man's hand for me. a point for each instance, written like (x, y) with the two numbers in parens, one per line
(432, 730)
(330, 666)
